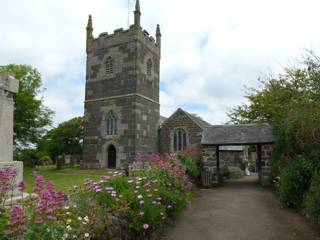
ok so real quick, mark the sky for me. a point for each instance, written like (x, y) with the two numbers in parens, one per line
(211, 49)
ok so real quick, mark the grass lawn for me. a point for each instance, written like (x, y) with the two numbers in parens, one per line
(64, 178)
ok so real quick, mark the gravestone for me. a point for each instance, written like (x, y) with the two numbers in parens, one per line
(8, 87)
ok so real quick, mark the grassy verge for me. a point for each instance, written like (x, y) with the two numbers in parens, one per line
(64, 178)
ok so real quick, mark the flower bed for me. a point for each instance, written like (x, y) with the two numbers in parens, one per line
(116, 207)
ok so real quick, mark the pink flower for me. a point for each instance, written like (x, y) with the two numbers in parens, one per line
(21, 186)
(38, 221)
(49, 217)
(17, 225)
(138, 157)
(40, 184)
(145, 226)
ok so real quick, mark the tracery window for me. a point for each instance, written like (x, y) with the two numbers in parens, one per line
(149, 67)
(111, 123)
(109, 65)
(179, 140)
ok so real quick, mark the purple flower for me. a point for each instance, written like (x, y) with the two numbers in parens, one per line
(38, 221)
(22, 186)
(145, 226)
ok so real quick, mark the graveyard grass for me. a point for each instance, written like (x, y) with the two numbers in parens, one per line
(64, 178)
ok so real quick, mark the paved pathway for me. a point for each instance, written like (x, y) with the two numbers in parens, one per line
(240, 210)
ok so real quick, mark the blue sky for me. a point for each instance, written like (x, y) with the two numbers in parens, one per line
(210, 49)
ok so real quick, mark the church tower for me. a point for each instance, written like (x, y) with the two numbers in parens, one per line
(122, 95)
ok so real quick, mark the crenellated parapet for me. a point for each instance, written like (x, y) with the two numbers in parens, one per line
(122, 36)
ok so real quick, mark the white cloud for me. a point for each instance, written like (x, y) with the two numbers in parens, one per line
(211, 48)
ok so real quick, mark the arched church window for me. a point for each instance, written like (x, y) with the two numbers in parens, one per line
(149, 67)
(179, 140)
(112, 124)
(109, 65)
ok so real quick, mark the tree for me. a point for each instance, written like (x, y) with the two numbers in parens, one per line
(290, 102)
(67, 138)
(31, 117)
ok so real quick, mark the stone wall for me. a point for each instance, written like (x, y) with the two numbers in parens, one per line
(266, 151)
(209, 161)
(179, 120)
(231, 158)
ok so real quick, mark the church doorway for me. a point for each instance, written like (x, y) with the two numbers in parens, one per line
(112, 157)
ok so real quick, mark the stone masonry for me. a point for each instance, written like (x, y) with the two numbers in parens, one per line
(8, 87)
(210, 161)
(130, 90)
(266, 151)
(180, 119)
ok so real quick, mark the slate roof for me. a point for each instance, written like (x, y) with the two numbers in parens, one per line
(162, 119)
(198, 120)
(237, 134)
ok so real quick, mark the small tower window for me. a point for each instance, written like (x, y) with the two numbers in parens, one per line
(112, 124)
(109, 65)
(149, 67)
(179, 140)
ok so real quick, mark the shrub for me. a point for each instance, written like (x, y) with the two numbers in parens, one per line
(224, 173)
(45, 160)
(235, 172)
(116, 207)
(294, 181)
(312, 200)
(192, 168)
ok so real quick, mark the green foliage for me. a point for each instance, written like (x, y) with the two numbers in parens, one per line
(67, 138)
(45, 160)
(290, 102)
(193, 169)
(125, 205)
(235, 172)
(31, 117)
(294, 182)
(3, 221)
(312, 200)
(224, 172)
(29, 156)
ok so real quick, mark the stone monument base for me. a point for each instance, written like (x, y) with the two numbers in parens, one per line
(19, 167)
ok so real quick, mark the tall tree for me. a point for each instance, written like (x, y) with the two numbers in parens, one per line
(290, 102)
(31, 117)
(67, 138)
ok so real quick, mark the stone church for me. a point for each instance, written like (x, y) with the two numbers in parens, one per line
(122, 108)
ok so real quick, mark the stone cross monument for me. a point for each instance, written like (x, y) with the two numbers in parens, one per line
(8, 87)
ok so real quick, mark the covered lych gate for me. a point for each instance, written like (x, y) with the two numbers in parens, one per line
(224, 135)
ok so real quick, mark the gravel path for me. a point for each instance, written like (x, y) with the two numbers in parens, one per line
(240, 210)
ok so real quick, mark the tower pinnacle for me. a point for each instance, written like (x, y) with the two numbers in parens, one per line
(137, 14)
(158, 35)
(89, 34)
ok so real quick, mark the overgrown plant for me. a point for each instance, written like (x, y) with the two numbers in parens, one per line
(115, 207)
